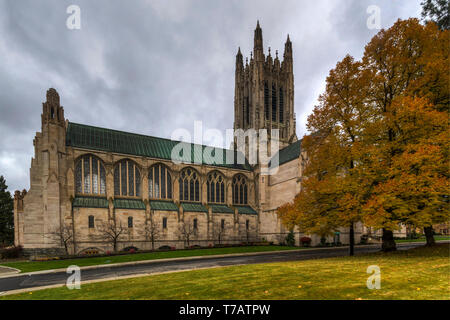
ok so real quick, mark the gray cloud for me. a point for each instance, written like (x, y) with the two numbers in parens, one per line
(153, 66)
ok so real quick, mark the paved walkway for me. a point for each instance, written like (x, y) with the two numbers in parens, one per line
(58, 277)
(6, 270)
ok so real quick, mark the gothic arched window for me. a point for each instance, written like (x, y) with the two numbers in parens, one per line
(159, 182)
(90, 176)
(274, 103)
(240, 189)
(266, 100)
(281, 110)
(189, 182)
(127, 179)
(215, 186)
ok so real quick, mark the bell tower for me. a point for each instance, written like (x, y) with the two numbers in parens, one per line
(264, 91)
(40, 211)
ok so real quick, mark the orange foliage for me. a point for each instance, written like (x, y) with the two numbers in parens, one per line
(379, 148)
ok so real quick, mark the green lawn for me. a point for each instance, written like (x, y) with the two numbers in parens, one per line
(437, 238)
(28, 266)
(420, 273)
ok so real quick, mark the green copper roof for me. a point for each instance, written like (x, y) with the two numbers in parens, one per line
(163, 205)
(245, 210)
(90, 202)
(94, 138)
(129, 204)
(289, 153)
(193, 207)
(221, 208)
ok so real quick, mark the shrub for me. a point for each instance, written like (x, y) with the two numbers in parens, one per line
(128, 249)
(290, 239)
(305, 241)
(11, 252)
(132, 250)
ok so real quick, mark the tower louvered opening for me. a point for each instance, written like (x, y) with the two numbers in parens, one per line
(274, 103)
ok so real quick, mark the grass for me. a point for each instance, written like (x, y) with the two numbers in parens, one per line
(29, 266)
(420, 273)
(422, 239)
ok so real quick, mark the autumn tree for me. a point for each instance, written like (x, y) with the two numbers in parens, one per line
(331, 196)
(414, 186)
(378, 148)
(398, 62)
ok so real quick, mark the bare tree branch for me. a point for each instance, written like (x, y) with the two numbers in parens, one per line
(110, 232)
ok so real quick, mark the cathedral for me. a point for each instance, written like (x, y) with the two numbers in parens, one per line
(107, 190)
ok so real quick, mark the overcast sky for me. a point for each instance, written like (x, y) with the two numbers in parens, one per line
(154, 66)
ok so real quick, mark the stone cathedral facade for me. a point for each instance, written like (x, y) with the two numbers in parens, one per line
(88, 181)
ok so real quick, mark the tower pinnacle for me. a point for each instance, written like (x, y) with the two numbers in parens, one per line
(258, 43)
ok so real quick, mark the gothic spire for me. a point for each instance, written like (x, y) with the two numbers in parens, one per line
(239, 60)
(288, 48)
(258, 43)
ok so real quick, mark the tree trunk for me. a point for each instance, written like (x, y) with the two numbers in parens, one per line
(388, 241)
(352, 240)
(115, 246)
(153, 244)
(429, 235)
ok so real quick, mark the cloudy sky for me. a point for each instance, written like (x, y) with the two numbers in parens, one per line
(152, 66)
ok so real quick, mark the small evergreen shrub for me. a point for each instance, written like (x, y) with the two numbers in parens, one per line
(290, 239)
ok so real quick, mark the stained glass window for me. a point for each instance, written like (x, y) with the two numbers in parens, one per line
(240, 189)
(90, 176)
(159, 182)
(215, 187)
(189, 185)
(127, 179)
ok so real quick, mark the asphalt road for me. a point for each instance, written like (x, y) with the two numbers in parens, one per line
(53, 278)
